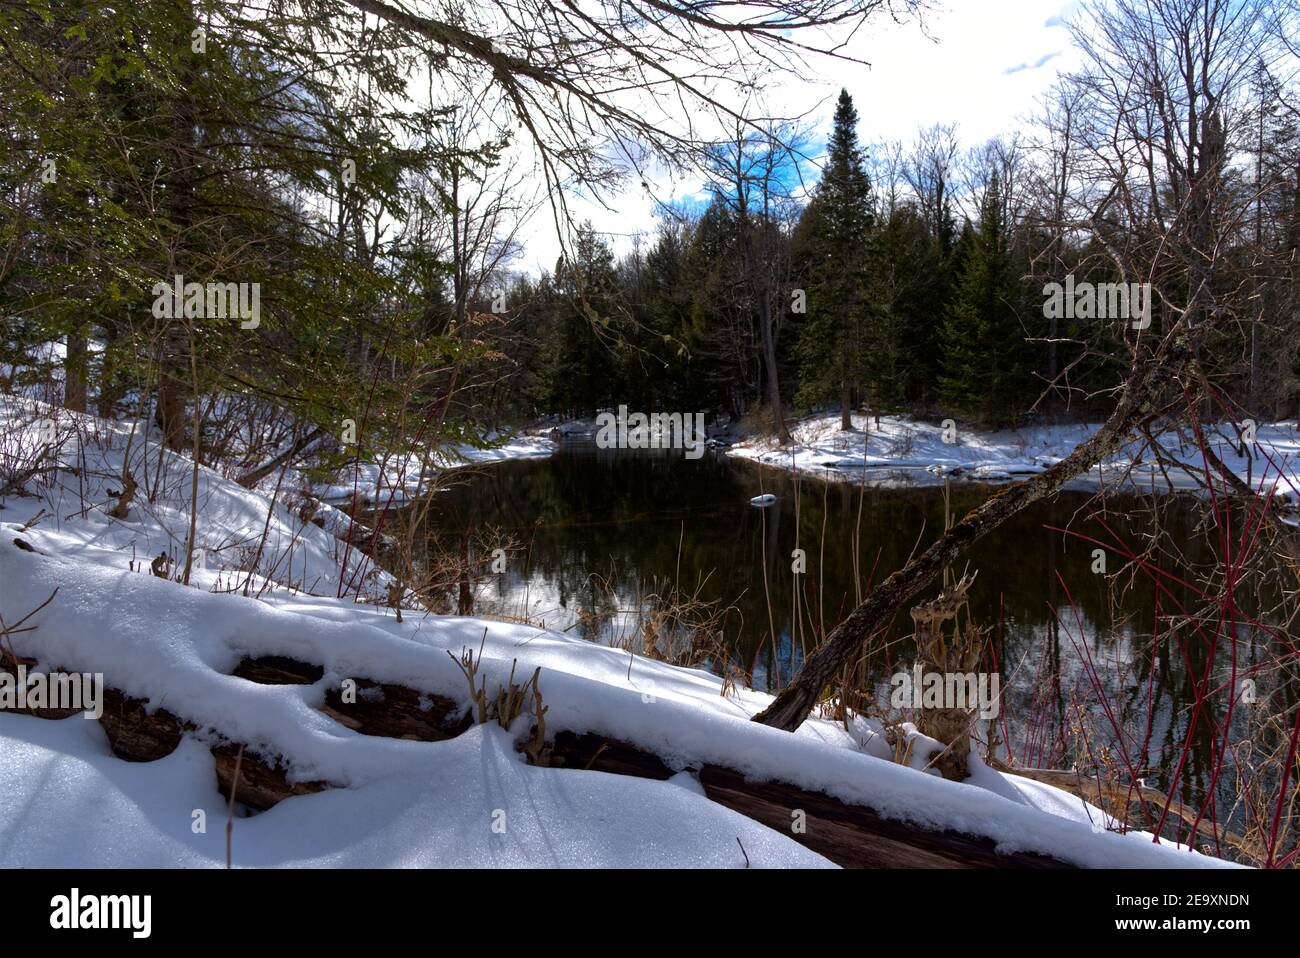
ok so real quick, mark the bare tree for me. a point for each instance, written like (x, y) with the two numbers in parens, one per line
(607, 89)
(759, 176)
(931, 173)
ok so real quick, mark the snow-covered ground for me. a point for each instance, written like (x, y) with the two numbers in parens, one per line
(65, 800)
(904, 450)
(399, 479)
(238, 530)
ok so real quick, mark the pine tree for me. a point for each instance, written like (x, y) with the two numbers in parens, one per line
(198, 152)
(664, 365)
(832, 240)
(986, 365)
(721, 325)
(908, 283)
(584, 376)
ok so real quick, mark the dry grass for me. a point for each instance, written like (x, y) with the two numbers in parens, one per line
(510, 700)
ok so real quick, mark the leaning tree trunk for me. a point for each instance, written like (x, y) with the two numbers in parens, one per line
(251, 478)
(1137, 403)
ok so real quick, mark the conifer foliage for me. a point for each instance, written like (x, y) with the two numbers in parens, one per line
(839, 342)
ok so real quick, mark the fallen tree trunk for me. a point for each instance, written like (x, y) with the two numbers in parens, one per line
(134, 733)
(1119, 796)
(137, 735)
(852, 836)
(260, 784)
(278, 670)
(395, 711)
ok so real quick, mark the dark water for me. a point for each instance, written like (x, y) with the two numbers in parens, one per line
(596, 531)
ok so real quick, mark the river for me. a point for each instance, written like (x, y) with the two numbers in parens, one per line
(596, 534)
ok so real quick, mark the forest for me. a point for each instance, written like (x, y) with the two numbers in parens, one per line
(806, 274)
(1019, 410)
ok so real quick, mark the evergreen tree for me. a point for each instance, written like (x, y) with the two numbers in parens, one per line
(722, 325)
(987, 366)
(183, 146)
(908, 282)
(839, 346)
(666, 370)
(584, 378)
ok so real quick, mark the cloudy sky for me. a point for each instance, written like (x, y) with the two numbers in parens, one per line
(981, 64)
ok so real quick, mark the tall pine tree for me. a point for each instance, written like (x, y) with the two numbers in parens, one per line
(832, 246)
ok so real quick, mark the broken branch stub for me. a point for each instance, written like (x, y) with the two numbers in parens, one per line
(948, 653)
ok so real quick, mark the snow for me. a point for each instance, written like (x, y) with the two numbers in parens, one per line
(65, 800)
(399, 479)
(238, 529)
(69, 803)
(902, 450)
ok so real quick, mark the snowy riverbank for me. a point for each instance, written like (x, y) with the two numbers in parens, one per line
(902, 451)
(472, 800)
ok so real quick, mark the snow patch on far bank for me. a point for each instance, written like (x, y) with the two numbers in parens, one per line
(899, 450)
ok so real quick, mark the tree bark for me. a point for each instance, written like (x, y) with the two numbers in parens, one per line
(769, 359)
(465, 598)
(170, 412)
(179, 204)
(110, 386)
(74, 373)
(254, 476)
